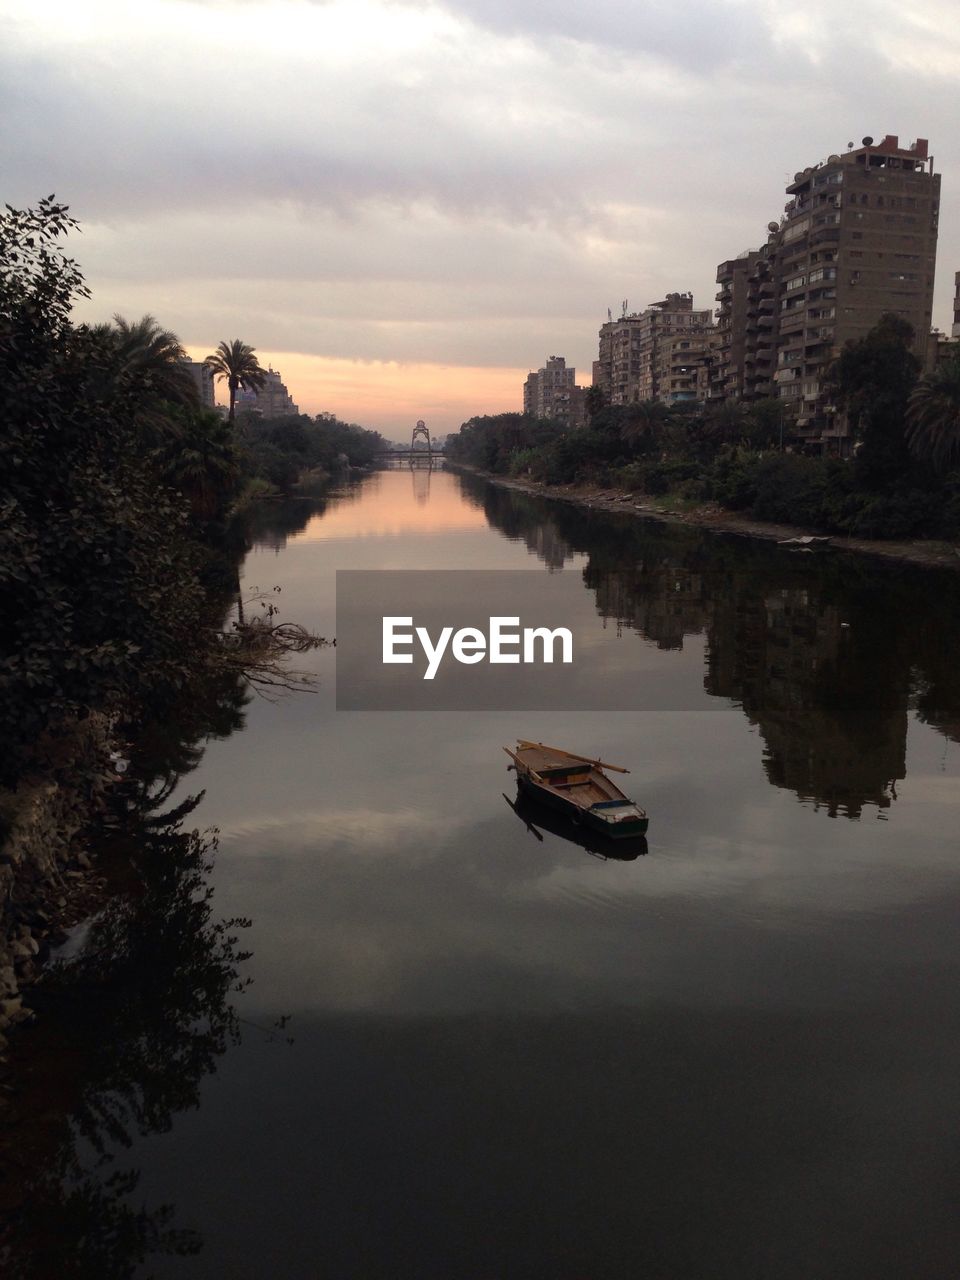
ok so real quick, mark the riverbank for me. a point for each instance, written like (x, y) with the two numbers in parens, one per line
(929, 553)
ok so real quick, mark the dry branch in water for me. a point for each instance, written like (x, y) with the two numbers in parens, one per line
(257, 650)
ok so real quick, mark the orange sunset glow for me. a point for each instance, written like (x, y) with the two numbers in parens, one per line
(436, 508)
(389, 396)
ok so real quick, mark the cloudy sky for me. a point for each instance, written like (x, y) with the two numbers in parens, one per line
(406, 206)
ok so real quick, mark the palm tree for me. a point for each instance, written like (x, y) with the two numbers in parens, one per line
(156, 359)
(238, 363)
(202, 463)
(933, 416)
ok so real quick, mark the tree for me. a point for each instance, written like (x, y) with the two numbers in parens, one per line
(872, 380)
(98, 575)
(933, 416)
(202, 463)
(148, 364)
(238, 365)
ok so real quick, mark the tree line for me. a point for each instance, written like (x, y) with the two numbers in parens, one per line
(903, 479)
(117, 491)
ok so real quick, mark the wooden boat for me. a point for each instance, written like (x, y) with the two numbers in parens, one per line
(578, 786)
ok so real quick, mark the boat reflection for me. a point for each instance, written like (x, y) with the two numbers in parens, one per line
(539, 818)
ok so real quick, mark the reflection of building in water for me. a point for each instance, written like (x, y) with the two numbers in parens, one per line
(826, 662)
(788, 658)
(663, 602)
(547, 545)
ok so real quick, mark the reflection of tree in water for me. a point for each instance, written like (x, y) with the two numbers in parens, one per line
(825, 655)
(130, 1027)
(142, 1014)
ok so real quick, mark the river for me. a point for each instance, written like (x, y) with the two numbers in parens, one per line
(471, 1047)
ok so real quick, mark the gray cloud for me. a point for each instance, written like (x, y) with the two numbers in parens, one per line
(456, 182)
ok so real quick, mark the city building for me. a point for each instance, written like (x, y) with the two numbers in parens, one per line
(684, 366)
(551, 392)
(858, 238)
(628, 366)
(203, 379)
(273, 400)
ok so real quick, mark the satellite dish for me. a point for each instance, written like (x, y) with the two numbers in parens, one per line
(833, 159)
(867, 141)
(773, 226)
(798, 177)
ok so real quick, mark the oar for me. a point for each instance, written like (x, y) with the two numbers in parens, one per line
(602, 764)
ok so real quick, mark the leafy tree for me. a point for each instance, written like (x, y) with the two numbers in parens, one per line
(146, 363)
(98, 575)
(202, 462)
(595, 400)
(872, 381)
(933, 416)
(237, 363)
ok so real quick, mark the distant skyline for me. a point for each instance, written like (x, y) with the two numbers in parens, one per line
(406, 206)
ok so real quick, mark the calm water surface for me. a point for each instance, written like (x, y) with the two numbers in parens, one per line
(735, 1055)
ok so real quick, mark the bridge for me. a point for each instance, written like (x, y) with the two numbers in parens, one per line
(429, 449)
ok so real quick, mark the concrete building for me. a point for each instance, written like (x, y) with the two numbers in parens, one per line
(203, 379)
(273, 400)
(858, 238)
(733, 277)
(684, 366)
(628, 364)
(551, 392)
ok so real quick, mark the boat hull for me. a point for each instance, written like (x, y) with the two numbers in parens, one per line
(624, 829)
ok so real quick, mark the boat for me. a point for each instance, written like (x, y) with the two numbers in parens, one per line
(578, 786)
(538, 817)
(808, 542)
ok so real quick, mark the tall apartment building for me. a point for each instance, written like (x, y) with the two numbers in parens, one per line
(273, 400)
(551, 392)
(858, 238)
(733, 277)
(203, 379)
(628, 367)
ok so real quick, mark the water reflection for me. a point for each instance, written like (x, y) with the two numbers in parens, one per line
(826, 657)
(538, 818)
(133, 1017)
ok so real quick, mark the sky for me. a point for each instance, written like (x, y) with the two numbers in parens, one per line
(405, 207)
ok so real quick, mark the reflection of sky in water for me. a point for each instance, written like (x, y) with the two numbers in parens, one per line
(513, 1059)
(384, 870)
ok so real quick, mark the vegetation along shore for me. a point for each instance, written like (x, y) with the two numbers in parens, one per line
(727, 467)
(124, 517)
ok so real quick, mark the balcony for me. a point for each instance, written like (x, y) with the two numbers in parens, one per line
(793, 321)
